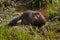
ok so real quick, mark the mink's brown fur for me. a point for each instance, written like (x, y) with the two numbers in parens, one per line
(29, 17)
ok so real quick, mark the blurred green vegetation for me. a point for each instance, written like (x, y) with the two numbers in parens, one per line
(50, 31)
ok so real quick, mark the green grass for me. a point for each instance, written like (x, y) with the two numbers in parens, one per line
(59, 2)
(48, 32)
(8, 33)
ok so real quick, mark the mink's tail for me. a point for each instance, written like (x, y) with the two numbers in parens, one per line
(14, 21)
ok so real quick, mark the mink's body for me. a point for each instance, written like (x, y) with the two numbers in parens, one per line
(30, 17)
